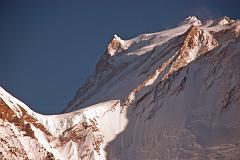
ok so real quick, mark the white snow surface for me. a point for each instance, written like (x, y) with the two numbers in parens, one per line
(167, 95)
(192, 20)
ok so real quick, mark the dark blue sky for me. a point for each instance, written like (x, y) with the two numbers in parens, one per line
(48, 48)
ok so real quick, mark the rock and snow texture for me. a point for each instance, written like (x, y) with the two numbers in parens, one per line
(191, 20)
(167, 95)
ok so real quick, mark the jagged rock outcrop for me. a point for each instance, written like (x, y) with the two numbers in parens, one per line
(115, 46)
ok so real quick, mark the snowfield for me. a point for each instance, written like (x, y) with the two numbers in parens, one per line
(168, 95)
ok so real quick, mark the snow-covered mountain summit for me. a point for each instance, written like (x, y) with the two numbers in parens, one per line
(168, 95)
(191, 20)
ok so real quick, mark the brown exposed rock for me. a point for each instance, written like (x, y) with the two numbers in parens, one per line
(50, 156)
(113, 108)
(188, 43)
(97, 143)
(33, 121)
(29, 132)
(193, 37)
(114, 46)
(79, 134)
(23, 122)
(7, 114)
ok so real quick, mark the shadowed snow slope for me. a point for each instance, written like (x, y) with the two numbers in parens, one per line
(167, 95)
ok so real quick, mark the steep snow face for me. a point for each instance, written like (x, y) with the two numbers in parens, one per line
(193, 114)
(167, 95)
(130, 67)
(78, 135)
(170, 87)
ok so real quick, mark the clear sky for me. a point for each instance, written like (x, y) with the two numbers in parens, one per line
(49, 47)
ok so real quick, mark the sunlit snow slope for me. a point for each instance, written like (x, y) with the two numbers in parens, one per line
(168, 95)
